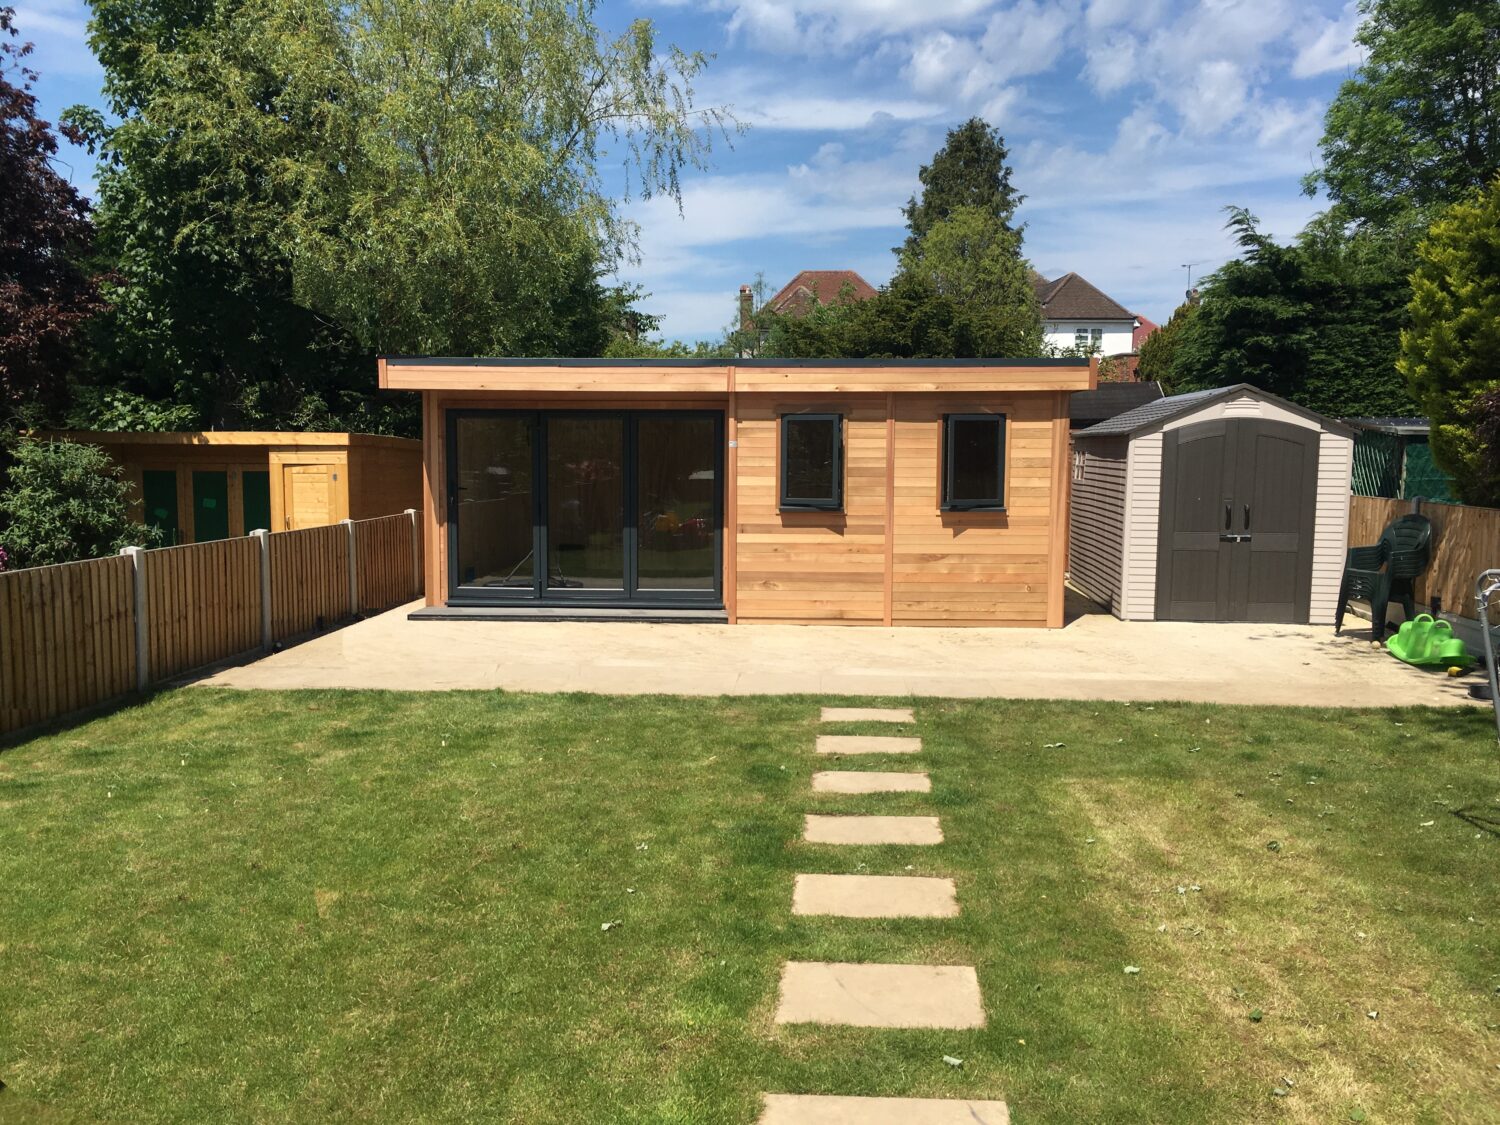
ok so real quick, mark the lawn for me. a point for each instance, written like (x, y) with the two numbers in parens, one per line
(335, 906)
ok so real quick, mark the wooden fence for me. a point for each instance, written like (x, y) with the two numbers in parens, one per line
(85, 633)
(1466, 542)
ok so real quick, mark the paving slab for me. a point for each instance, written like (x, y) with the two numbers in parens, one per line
(868, 744)
(822, 1109)
(872, 830)
(870, 781)
(868, 715)
(875, 896)
(879, 995)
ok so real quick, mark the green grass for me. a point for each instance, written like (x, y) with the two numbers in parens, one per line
(350, 906)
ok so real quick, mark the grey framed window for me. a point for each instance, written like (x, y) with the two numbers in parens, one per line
(973, 462)
(812, 462)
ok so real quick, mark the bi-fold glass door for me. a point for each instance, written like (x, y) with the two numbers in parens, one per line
(606, 507)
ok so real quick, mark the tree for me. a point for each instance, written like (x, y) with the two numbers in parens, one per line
(970, 170)
(1317, 322)
(1418, 126)
(45, 295)
(65, 501)
(1159, 350)
(1448, 353)
(294, 186)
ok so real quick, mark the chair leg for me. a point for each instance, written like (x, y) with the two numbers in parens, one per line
(1380, 600)
(1338, 614)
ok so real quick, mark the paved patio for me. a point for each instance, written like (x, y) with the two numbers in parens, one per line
(1094, 657)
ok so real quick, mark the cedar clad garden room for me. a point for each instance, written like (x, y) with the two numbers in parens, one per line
(860, 492)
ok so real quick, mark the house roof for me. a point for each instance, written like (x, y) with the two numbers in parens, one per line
(1071, 297)
(1165, 409)
(1088, 408)
(827, 287)
(1143, 328)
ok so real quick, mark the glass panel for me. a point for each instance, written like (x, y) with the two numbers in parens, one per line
(255, 486)
(585, 503)
(159, 504)
(810, 448)
(494, 501)
(975, 459)
(210, 506)
(675, 490)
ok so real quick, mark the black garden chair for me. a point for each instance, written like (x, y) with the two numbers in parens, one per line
(1386, 570)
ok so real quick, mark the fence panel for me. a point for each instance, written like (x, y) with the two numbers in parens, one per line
(309, 579)
(68, 636)
(202, 604)
(1466, 541)
(384, 550)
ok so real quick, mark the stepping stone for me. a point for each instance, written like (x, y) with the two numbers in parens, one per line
(856, 781)
(872, 830)
(875, 896)
(879, 995)
(868, 715)
(867, 744)
(819, 1109)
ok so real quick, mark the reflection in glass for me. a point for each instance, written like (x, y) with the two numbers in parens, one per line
(675, 489)
(585, 503)
(494, 501)
(975, 460)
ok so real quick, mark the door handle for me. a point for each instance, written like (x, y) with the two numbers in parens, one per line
(1247, 517)
(1227, 507)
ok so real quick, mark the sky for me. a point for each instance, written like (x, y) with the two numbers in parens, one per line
(1131, 124)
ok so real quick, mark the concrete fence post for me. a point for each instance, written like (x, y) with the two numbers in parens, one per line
(353, 569)
(137, 556)
(264, 538)
(416, 552)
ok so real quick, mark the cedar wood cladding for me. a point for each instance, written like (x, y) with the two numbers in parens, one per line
(892, 556)
(1096, 528)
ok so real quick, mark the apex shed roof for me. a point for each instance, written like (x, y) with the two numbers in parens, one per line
(1088, 408)
(1165, 409)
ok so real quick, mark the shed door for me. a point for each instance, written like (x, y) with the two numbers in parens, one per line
(1238, 501)
(308, 495)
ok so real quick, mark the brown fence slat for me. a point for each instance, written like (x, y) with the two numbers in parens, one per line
(384, 547)
(65, 639)
(1466, 542)
(309, 579)
(203, 601)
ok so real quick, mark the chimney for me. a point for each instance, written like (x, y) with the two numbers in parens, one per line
(747, 307)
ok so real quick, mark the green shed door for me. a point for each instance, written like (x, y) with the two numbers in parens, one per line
(256, 484)
(210, 506)
(159, 498)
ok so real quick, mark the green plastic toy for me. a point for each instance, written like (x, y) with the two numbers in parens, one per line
(1423, 641)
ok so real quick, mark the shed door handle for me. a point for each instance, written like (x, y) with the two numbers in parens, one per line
(1247, 517)
(1227, 507)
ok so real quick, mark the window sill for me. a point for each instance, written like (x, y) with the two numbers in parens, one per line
(810, 508)
(972, 508)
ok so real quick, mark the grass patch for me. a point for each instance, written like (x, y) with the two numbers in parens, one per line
(344, 905)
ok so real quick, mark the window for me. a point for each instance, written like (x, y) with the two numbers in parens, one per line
(812, 461)
(1078, 463)
(1086, 338)
(973, 461)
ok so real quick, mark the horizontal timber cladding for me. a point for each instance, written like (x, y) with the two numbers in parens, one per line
(979, 567)
(897, 557)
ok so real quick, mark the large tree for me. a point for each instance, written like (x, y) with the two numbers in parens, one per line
(45, 293)
(1159, 350)
(970, 170)
(1448, 354)
(1418, 126)
(294, 185)
(1317, 321)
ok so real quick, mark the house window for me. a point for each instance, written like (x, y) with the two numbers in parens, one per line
(812, 461)
(973, 461)
(1087, 338)
(1077, 465)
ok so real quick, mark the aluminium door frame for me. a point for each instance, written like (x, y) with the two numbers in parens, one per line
(539, 594)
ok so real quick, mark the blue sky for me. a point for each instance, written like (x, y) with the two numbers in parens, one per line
(1131, 124)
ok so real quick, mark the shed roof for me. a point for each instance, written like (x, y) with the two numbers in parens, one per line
(1165, 409)
(1089, 408)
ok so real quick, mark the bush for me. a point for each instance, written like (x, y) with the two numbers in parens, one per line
(65, 502)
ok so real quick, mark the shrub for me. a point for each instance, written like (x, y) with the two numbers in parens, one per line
(64, 502)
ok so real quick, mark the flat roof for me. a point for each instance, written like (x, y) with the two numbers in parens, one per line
(594, 375)
(283, 439)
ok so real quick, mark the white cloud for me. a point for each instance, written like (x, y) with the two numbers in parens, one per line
(814, 27)
(1328, 44)
(59, 29)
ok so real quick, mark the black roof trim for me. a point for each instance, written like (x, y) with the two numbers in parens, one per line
(595, 361)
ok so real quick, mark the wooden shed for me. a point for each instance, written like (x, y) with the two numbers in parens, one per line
(870, 492)
(198, 487)
(1221, 505)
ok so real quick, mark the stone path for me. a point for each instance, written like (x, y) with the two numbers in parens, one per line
(868, 995)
